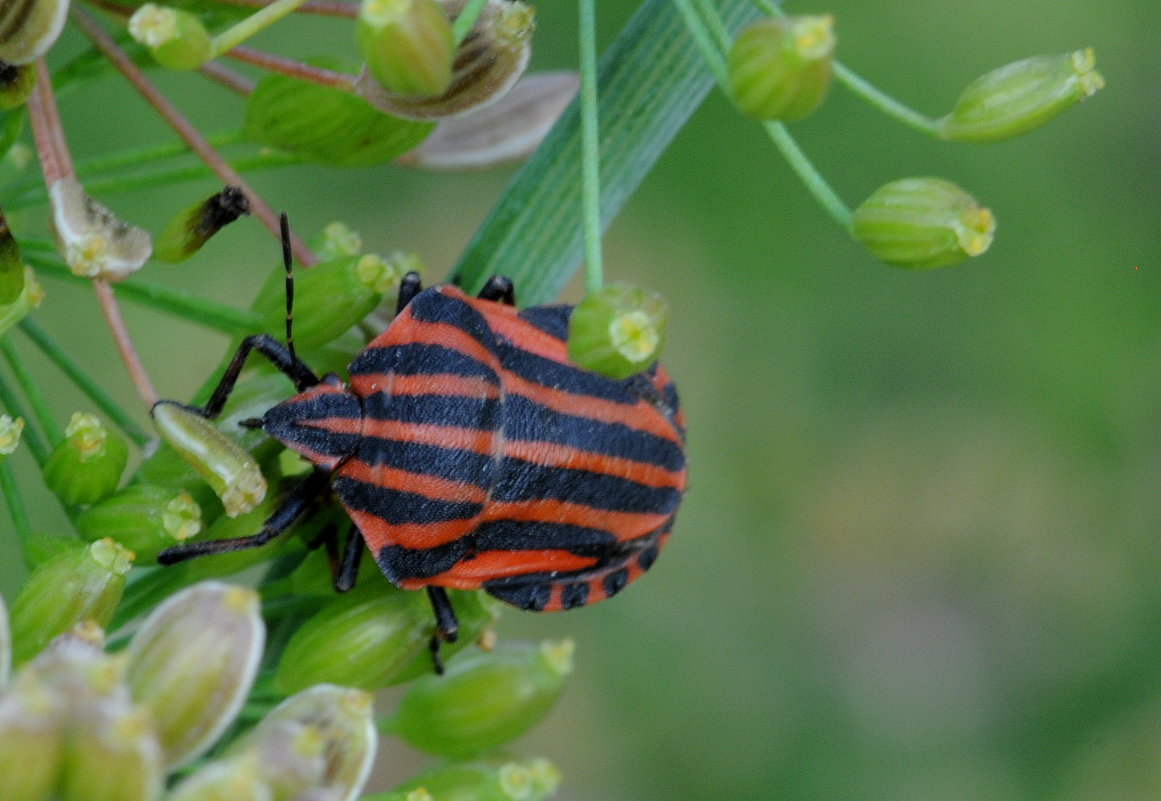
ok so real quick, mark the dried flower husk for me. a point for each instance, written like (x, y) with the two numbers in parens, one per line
(189, 229)
(95, 242)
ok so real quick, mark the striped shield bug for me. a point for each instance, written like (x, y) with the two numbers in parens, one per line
(471, 454)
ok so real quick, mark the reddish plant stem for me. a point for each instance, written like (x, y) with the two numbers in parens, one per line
(56, 163)
(227, 78)
(294, 69)
(189, 134)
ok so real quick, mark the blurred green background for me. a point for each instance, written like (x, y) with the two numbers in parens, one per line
(918, 558)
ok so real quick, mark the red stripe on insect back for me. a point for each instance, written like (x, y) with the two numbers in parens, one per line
(448, 335)
(552, 454)
(454, 437)
(622, 525)
(506, 324)
(335, 425)
(471, 573)
(419, 483)
(638, 417)
(474, 387)
(379, 534)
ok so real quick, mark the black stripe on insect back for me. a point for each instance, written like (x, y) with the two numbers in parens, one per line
(452, 464)
(480, 414)
(552, 320)
(566, 377)
(526, 420)
(397, 507)
(527, 481)
(419, 358)
(433, 307)
(399, 563)
(531, 535)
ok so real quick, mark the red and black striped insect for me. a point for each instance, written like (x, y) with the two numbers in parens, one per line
(470, 453)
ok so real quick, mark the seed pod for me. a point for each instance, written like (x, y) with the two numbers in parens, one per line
(227, 780)
(408, 45)
(618, 330)
(342, 720)
(10, 431)
(29, 299)
(11, 265)
(222, 463)
(28, 28)
(491, 780)
(780, 67)
(920, 223)
(1018, 97)
(144, 518)
(488, 63)
(378, 636)
(483, 699)
(95, 243)
(193, 663)
(326, 125)
(87, 465)
(188, 230)
(176, 38)
(83, 583)
(112, 754)
(31, 739)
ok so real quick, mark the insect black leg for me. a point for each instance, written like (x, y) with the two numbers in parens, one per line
(409, 287)
(293, 507)
(499, 288)
(347, 570)
(278, 355)
(447, 628)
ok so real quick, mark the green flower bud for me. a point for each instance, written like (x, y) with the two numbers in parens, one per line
(330, 297)
(618, 330)
(186, 233)
(359, 641)
(31, 739)
(144, 518)
(919, 223)
(176, 38)
(230, 470)
(29, 299)
(11, 264)
(83, 583)
(193, 663)
(112, 754)
(228, 780)
(335, 241)
(10, 431)
(29, 29)
(477, 613)
(484, 699)
(95, 243)
(87, 465)
(341, 720)
(530, 780)
(780, 67)
(487, 64)
(407, 44)
(1018, 97)
(326, 125)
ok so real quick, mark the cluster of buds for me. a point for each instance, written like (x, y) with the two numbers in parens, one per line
(79, 723)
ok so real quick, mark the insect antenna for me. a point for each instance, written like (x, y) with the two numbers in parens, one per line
(288, 265)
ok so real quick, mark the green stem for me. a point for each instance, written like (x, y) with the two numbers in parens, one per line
(467, 19)
(217, 316)
(711, 51)
(256, 22)
(884, 102)
(32, 391)
(31, 436)
(17, 510)
(590, 148)
(60, 357)
(809, 175)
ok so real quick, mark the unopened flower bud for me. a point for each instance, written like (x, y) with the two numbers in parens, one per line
(378, 637)
(176, 38)
(919, 223)
(335, 295)
(236, 779)
(76, 667)
(483, 699)
(87, 465)
(618, 330)
(95, 243)
(144, 518)
(487, 64)
(32, 739)
(82, 583)
(28, 28)
(780, 67)
(1018, 97)
(477, 613)
(407, 44)
(11, 264)
(341, 720)
(10, 431)
(335, 241)
(229, 469)
(483, 780)
(193, 662)
(112, 754)
(29, 299)
(186, 232)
